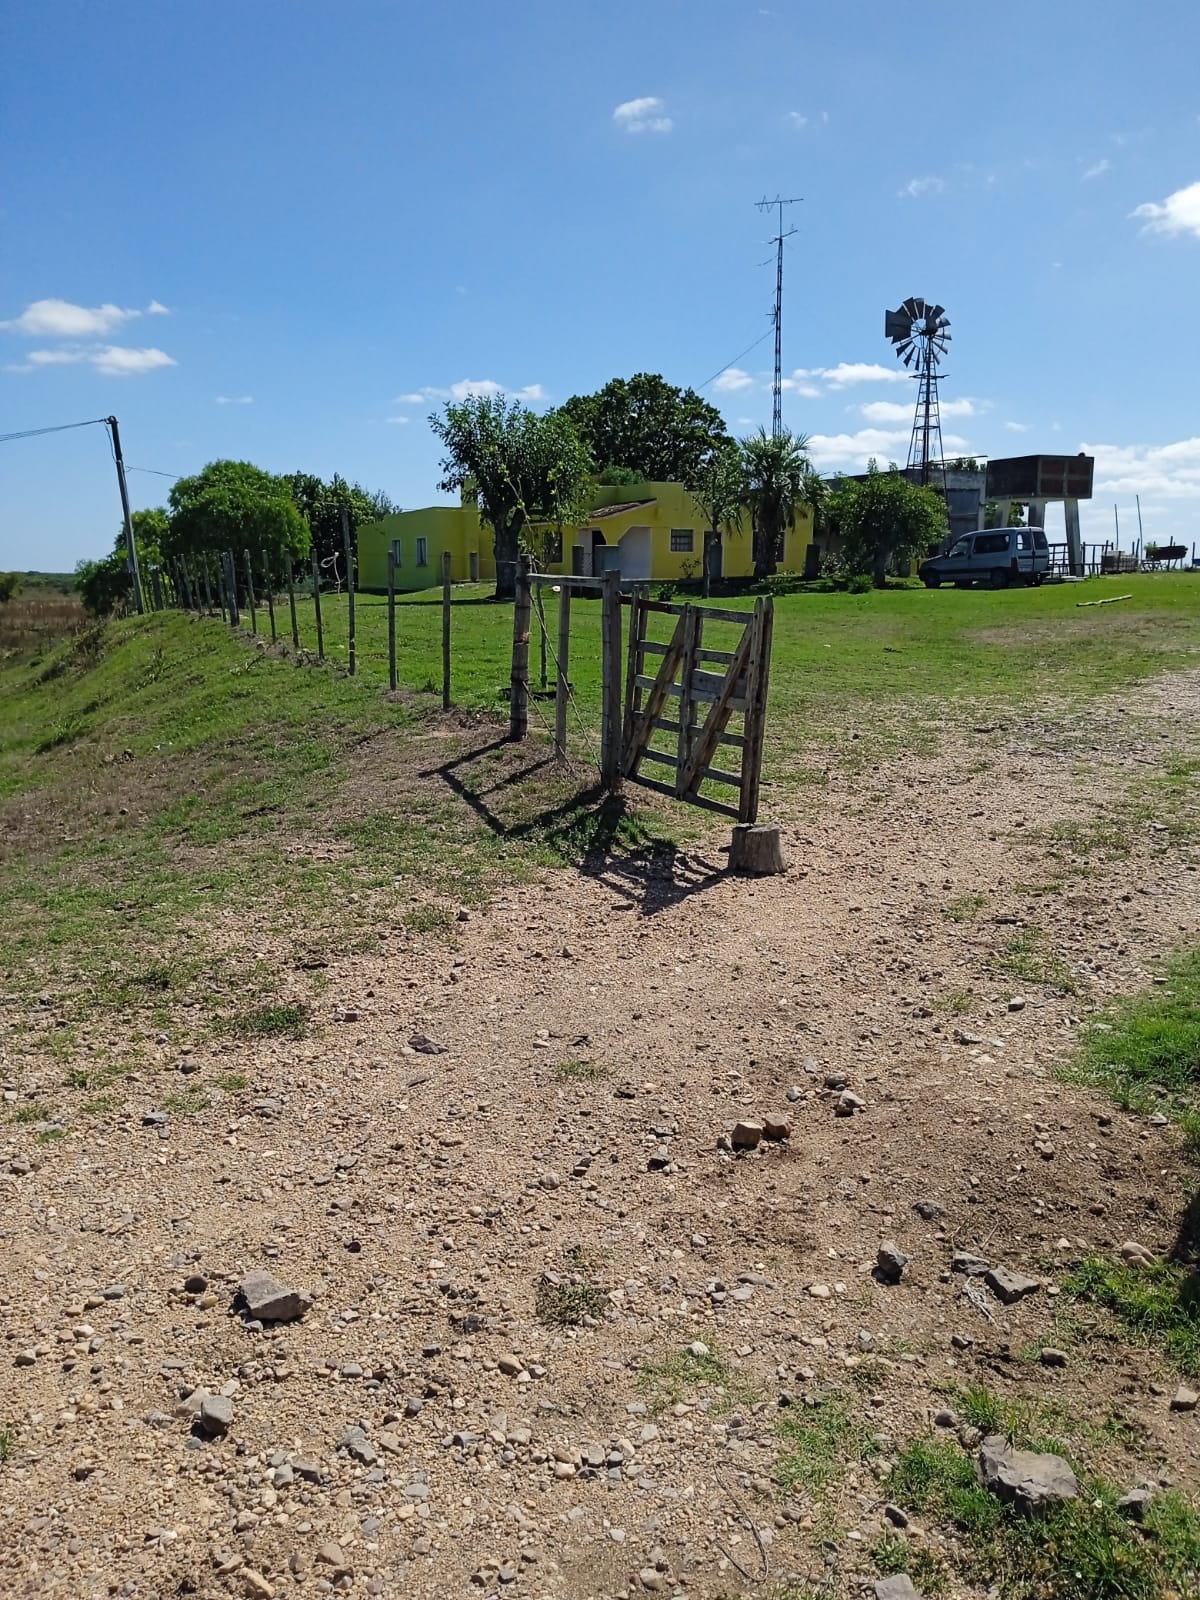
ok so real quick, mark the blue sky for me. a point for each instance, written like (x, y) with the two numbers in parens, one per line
(281, 231)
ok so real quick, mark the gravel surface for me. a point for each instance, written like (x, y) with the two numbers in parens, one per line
(693, 1153)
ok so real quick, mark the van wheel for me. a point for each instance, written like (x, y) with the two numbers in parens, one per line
(998, 578)
(932, 583)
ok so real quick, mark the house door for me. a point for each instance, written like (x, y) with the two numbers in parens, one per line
(473, 565)
(713, 555)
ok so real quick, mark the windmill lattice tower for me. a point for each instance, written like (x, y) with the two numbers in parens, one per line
(918, 332)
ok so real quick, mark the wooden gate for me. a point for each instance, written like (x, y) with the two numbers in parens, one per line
(671, 690)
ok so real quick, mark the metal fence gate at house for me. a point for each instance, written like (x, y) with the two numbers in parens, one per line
(672, 691)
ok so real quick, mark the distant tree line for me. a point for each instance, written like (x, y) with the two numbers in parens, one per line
(280, 519)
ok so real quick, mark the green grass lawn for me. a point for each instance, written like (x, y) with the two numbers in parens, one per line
(157, 772)
(873, 670)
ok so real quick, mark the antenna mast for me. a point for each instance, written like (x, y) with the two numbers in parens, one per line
(777, 389)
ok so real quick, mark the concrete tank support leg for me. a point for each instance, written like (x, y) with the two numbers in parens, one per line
(1074, 538)
(1003, 510)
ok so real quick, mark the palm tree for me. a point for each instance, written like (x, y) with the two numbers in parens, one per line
(778, 482)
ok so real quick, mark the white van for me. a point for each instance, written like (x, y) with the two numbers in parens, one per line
(997, 557)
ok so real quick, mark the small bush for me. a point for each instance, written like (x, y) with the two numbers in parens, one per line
(859, 583)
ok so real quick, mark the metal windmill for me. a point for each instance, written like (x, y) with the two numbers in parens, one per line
(918, 331)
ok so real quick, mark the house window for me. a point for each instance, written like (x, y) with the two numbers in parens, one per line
(422, 552)
(681, 541)
(396, 560)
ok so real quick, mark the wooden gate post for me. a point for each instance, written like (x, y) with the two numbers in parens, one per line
(445, 630)
(757, 676)
(562, 682)
(391, 575)
(349, 588)
(693, 625)
(316, 582)
(610, 657)
(518, 694)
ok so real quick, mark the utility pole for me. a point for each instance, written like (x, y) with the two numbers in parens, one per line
(131, 559)
(777, 389)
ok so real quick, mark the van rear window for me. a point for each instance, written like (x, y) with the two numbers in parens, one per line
(1040, 541)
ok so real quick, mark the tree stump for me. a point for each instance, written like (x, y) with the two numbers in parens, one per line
(756, 849)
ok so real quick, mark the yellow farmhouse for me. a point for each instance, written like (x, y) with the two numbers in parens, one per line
(647, 531)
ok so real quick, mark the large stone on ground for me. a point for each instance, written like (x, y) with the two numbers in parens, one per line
(267, 1300)
(1009, 1286)
(898, 1586)
(746, 1135)
(1027, 1479)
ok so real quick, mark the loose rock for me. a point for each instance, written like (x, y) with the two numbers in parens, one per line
(890, 1262)
(746, 1135)
(1028, 1479)
(1009, 1286)
(267, 1300)
(1184, 1399)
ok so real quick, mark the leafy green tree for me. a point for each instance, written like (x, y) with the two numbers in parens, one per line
(884, 519)
(107, 584)
(719, 490)
(520, 467)
(321, 506)
(778, 476)
(10, 586)
(650, 427)
(233, 505)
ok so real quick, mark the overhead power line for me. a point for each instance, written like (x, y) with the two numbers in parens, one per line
(63, 427)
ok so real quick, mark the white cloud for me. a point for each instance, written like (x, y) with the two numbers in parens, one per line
(1169, 471)
(732, 380)
(848, 372)
(642, 116)
(157, 309)
(850, 452)
(120, 362)
(465, 388)
(400, 422)
(1098, 168)
(897, 411)
(1017, 427)
(1178, 213)
(796, 119)
(915, 188)
(114, 360)
(60, 319)
(235, 399)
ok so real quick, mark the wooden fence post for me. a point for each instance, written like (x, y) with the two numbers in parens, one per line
(562, 682)
(235, 616)
(391, 569)
(349, 587)
(204, 573)
(316, 582)
(250, 592)
(692, 627)
(270, 588)
(445, 630)
(610, 657)
(757, 681)
(291, 577)
(637, 633)
(518, 704)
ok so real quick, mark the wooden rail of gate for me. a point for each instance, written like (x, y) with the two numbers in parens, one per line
(705, 702)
